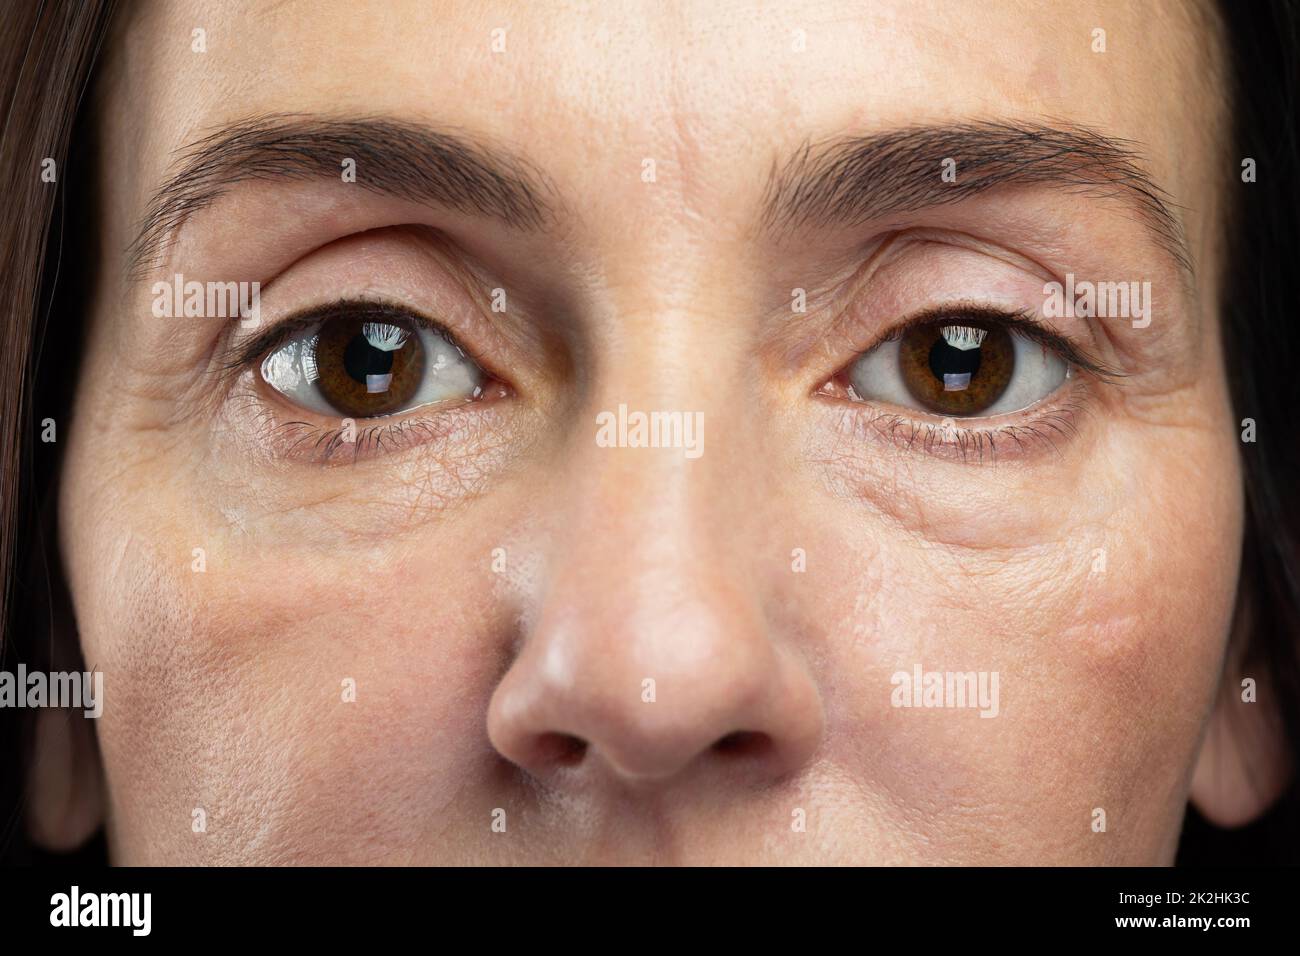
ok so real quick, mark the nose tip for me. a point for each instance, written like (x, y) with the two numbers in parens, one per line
(643, 710)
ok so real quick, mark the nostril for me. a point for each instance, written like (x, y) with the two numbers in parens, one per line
(743, 743)
(563, 750)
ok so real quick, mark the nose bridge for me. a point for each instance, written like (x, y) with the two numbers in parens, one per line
(656, 506)
(652, 463)
(649, 546)
(659, 504)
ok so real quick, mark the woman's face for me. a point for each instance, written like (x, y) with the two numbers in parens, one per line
(383, 599)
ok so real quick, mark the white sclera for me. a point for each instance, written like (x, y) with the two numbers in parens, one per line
(1036, 374)
(448, 373)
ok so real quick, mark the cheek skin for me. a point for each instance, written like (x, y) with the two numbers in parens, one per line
(226, 692)
(224, 689)
(1106, 677)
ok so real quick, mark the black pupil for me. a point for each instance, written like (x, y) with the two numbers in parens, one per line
(361, 358)
(946, 360)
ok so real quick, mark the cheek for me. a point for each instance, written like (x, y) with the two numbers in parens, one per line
(310, 708)
(1106, 629)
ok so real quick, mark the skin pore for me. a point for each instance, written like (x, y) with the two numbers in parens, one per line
(498, 587)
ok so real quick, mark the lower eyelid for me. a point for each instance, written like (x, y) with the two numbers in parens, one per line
(1046, 427)
(284, 431)
(349, 443)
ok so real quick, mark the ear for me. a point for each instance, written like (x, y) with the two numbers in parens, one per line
(65, 804)
(1244, 764)
(64, 796)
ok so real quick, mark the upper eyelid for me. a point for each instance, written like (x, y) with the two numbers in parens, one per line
(1021, 321)
(285, 329)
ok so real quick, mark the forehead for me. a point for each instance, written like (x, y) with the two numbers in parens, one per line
(710, 88)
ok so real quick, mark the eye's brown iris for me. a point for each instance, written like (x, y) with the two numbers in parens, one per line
(367, 368)
(957, 367)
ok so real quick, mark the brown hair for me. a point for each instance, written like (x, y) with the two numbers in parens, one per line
(47, 52)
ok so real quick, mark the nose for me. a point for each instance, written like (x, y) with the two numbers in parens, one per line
(651, 697)
(650, 655)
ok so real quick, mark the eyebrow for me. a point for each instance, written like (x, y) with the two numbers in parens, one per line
(393, 158)
(853, 180)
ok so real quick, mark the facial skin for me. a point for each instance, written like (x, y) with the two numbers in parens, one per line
(1094, 569)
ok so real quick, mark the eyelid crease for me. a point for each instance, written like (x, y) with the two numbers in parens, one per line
(1022, 321)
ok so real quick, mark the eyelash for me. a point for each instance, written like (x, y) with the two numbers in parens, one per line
(329, 440)
(960, 442)
(1021, 322)
(322, 445)
(252, 352)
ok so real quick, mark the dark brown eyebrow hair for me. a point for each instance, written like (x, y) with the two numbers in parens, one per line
(854, 180)
(392, 157)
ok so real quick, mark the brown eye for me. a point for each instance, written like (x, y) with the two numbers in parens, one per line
(367, 368)
(958, 368)
(368, 362)
(961, 364)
